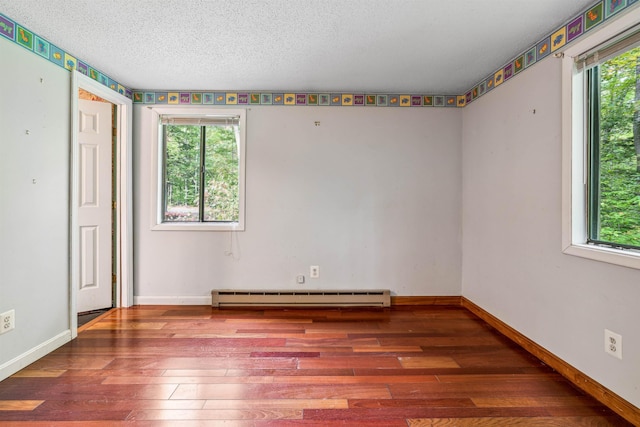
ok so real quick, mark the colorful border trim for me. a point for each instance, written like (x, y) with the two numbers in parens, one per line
(25, 38)
(294, 99)
(573, 29)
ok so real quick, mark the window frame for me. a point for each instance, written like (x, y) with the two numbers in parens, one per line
(157, 169)
(575, 150)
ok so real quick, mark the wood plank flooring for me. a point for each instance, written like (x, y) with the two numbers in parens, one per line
(199, 366)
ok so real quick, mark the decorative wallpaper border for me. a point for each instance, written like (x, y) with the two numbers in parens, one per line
(38, 45)
(574, 28)
(294, 98)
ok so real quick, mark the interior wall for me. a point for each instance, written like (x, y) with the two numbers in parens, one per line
(513, 265)
(372, 196)
(34, 203)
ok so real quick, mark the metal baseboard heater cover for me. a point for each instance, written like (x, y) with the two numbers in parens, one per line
(311, 298)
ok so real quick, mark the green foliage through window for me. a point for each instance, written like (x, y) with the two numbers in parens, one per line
(201, 173)
(614, 151)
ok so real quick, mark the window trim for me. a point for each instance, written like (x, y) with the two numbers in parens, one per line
(157, 154)
(574, 154)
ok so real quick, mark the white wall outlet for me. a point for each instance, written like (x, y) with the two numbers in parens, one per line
(300, 279)
(7, 321)
(314, 272)
(613, 343)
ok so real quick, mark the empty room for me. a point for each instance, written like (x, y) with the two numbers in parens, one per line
(279, 213)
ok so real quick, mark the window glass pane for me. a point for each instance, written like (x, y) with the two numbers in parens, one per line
(221, 191)
(182, 173)
(615, 151)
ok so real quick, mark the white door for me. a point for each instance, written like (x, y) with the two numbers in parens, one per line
(94, 210)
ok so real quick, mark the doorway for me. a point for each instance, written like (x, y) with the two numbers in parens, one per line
(101, 207)
(96, 132)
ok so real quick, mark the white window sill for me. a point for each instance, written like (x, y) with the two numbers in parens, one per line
(198, 226)
(623, 257)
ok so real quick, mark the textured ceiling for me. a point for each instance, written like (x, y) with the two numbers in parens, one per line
(420, 46)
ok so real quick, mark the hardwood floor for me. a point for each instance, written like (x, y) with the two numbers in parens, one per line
(198, 366)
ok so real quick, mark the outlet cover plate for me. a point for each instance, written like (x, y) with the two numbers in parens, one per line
(7, 321)
(613, 344)
(314, 272)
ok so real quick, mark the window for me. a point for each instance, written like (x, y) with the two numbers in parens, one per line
(200, 169)
(613, 141)
(601, 144)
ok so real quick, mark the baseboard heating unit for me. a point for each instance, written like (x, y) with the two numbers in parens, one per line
(317, 298)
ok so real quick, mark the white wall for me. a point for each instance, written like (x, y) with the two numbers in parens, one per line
(34, 205)
(513, 266)
(372, 196)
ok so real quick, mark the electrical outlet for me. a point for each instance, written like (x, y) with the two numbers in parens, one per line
(7, 321)
(613, 343)
(300, 279)
(314, 272)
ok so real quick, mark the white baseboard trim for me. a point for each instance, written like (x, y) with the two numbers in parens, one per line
(25, 359)
(199, 300)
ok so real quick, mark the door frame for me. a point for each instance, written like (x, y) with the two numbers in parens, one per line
(123, 190)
